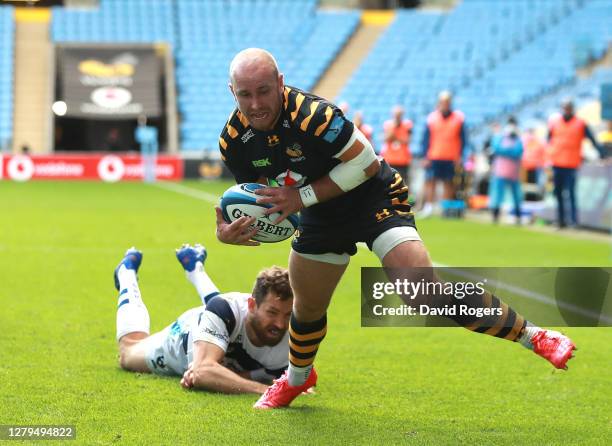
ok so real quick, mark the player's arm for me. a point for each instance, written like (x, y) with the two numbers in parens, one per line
(358, 164)
(589, 135)
(206, 372)
(425, 143)
(389, 134)
(211, 339)
(240, 231)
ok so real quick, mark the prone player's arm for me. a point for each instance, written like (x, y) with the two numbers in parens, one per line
(206, 372)
(358, 164)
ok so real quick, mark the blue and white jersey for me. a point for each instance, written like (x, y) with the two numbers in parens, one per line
(221, 322)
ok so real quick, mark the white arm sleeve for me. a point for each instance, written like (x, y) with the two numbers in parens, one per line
(212, 329)
(348, 175)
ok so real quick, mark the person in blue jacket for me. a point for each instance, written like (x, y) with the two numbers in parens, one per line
(507, 151)
(146, 136)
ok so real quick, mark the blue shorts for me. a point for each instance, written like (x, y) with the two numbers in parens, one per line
(441, 170)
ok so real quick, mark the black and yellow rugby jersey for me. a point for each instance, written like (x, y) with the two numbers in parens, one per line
(300, 148)
(298, 151)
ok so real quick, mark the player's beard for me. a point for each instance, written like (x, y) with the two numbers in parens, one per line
(264, 334)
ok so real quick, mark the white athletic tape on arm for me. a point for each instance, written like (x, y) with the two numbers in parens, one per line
(308, 196)
(348, 175)
(350, 142)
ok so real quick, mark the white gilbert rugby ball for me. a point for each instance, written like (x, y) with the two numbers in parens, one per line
(241, 200)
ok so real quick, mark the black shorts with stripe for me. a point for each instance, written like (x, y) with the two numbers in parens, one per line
(361, 215)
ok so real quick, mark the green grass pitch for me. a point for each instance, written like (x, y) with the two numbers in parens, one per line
(59, 244)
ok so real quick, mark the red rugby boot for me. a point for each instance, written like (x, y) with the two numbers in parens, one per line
(280, 394)
(553, 346)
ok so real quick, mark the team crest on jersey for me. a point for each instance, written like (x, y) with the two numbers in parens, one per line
(273, 140)
(248, 135)
(290, 178)
(295, 153)
(286, 124)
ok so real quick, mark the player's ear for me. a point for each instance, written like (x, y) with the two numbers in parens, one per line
(281, 81)
(252, 304)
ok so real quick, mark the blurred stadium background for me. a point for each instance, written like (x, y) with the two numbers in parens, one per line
(76, 74)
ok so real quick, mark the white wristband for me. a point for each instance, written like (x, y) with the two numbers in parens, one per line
(308, 195)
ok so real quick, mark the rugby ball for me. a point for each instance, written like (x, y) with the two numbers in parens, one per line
(241, 199)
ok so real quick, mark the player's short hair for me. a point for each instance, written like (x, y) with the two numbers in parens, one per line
(274, 279)
(251, 55)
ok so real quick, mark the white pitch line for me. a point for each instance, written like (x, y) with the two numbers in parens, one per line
(538, 297)
(189, 191)
(211, 198)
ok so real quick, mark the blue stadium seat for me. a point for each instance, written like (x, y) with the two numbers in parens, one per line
(205, 35)
(7, 38)
(485, 51)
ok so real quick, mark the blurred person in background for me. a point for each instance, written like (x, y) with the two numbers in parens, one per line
(507, 150)
(534, 158)
(146, 136)
(344, 107)
(605, 138)
(566, 132)
(444, 143)
(366, 129)
(396, 148)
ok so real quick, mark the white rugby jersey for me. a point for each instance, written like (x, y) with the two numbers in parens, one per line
(222, 322)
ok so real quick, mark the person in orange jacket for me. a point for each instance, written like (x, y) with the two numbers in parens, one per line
(534, 157)
(565, 134)
(444, 143)
(396, 149)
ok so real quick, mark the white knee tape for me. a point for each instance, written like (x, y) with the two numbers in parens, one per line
(329, 257)
(389, 239)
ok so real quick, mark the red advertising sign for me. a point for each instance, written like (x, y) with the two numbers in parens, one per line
(109, 168)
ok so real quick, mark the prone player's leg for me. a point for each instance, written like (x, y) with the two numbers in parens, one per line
(192, 260)
(133, 352)
(132, 315)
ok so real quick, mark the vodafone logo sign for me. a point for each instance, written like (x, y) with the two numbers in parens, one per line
(111, 168)
(106, 167)
(111, 97)
(20, 168)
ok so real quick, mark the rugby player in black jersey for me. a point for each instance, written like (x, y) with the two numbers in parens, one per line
(328, 171)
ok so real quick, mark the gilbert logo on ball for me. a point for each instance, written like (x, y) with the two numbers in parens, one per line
(241, 200)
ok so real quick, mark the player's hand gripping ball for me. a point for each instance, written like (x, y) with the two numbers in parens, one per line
(241, 200)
